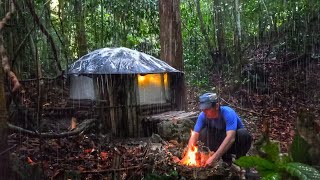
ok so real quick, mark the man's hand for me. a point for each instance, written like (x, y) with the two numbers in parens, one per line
(176, 159)
(210, 161)
(184, 152)
(224, 146)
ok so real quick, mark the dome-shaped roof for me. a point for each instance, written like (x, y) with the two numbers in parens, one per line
(118, 61)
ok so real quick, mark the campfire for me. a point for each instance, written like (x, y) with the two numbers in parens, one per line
(193, 157)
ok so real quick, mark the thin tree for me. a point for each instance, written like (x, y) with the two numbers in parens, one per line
(81, 37)
(237, 36)
(4, 154)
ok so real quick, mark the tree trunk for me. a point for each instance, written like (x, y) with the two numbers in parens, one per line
(170, 33)
(4, 158)
(171, 41)
(40, 82)
(237, 17)
(237, 38)
(102, 25)
(219, 21)
(81, 37)
(5, 171)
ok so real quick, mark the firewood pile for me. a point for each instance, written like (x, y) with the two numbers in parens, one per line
(100, 157)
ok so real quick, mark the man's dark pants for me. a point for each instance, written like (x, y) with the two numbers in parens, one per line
(213, 137)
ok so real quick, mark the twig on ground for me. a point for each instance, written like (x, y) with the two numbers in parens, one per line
(3, 152)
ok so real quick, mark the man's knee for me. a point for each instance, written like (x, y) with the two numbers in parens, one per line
(243, 134)
(244, 139)
(243, 142)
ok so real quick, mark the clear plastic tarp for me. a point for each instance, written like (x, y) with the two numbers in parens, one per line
(82, 88)
(118, 61)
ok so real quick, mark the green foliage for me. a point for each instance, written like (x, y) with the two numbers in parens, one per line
(272, 150)
(302, 171)
(135, 24)
(272, 176)
(299, 150)
(274, 167)
(264, 166)
(198, 65)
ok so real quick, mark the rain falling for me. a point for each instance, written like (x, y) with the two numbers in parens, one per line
(158, 89)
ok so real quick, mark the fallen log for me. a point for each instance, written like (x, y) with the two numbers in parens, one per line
(84, 126)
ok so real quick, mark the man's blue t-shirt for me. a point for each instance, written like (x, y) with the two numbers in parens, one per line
(228, 120)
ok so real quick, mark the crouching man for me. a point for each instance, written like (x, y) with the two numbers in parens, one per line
(220, 129)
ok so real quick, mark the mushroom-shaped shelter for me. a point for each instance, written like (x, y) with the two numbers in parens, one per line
(128, 83)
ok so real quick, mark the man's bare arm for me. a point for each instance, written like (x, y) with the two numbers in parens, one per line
(224, 147)
(193, 139)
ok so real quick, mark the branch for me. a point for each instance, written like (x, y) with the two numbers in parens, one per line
(247, 110)
(4, 58)
(45, 32)
(3, 152)
(87, 124)
(284, 62)
(6, 67)
(60, 39)
(43, 78)
(7, 17)
(20, 45)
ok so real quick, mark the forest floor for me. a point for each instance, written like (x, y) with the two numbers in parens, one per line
(275, 88)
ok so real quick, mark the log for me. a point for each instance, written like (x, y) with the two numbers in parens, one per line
(172, 125)
(85, 125)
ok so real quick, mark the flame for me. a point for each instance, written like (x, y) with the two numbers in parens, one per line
(195, 158)
(192, 157)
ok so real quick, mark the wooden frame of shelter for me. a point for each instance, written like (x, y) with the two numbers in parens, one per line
(118, 97)
(145, 86)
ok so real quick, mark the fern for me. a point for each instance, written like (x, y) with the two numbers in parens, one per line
(255, 161)
(264, 166)
(302, 171)
(273, 166)
(299, 150)
(273, 150)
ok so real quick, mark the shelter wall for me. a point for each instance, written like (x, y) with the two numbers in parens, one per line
(121, 109)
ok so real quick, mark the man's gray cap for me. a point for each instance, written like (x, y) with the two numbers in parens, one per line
(207, 100)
